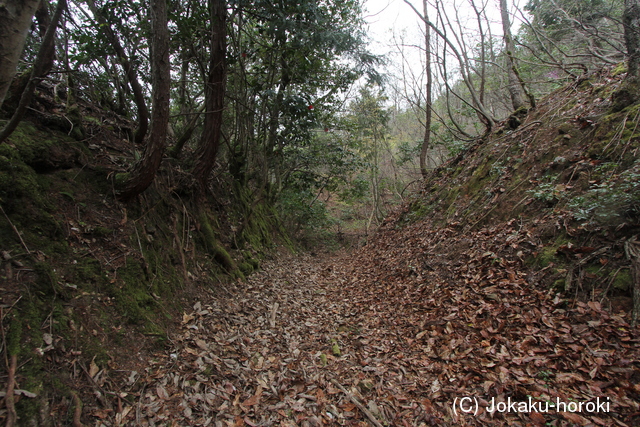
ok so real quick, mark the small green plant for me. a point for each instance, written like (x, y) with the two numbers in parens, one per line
(611, 200)
(547, 191)
(545, 375)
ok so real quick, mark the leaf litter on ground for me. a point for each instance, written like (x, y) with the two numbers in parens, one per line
(395, 334)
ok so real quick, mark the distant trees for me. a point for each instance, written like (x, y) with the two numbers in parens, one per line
(252, 90)
(480, 78)
(369, 120)
(629, 92)
(426, 140)
(571, 36)
(515, 89)
(100, 15)
(241, 86)
(242, 90)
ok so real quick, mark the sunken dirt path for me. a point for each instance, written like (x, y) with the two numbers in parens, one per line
(323, 340)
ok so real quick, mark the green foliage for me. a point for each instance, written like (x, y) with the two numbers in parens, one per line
(613, 200)
(559, 13)
(547, 191)
(301, 211)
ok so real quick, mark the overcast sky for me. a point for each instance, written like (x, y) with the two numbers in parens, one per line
(385, 16)
(391, 20)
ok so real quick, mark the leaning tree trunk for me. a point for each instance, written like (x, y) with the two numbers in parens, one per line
(632, 248)
(515, 90)
(15, 20)
(428, 113)
(214, 95)
(41, 67)
(145, 170)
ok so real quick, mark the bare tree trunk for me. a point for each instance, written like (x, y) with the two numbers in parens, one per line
(632, 249)
(629, 92)
(214, 94)
(427, 122)
(123, 59)
(631, 21)
(145, 170)
(15, 20)
(42, 67)
(515, 90)
(485, 115)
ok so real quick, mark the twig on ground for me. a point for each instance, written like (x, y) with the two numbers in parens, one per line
(77, 410)
(356, 402)
(274, 312)
(24, 245)
(9, 399)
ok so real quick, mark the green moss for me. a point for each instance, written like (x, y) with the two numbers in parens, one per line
(585, 84)
(559, 284)
(623, 280)
(254, 263)
(621, 68)
(17, 180)
(87, 270)
(479, 178)
(120, 179)
(549, 254)
(246, 268)
(102, 231)
(132, 300)
(323, 359)
(46, 283)
(213, 246)
(14, 336)
(417, 209)
(29, 143)
(546, 256)
(335, 349)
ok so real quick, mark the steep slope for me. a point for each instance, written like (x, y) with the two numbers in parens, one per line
(452, 309)
(88, 281)
(505, 281)
(568, 177)
(507, 278)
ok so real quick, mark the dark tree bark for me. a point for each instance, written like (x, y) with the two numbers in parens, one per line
(629, 92)
(42, 67)
(515, 90)
(426, 142)
(15, 20)
(214, 95)
(632, 249)
(43, 18)
(631, 21)
(130, 72)
(145, 170)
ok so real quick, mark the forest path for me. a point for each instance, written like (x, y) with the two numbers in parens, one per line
(375, 338)
(263, 352)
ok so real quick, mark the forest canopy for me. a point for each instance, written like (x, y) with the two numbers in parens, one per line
(270, 95)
